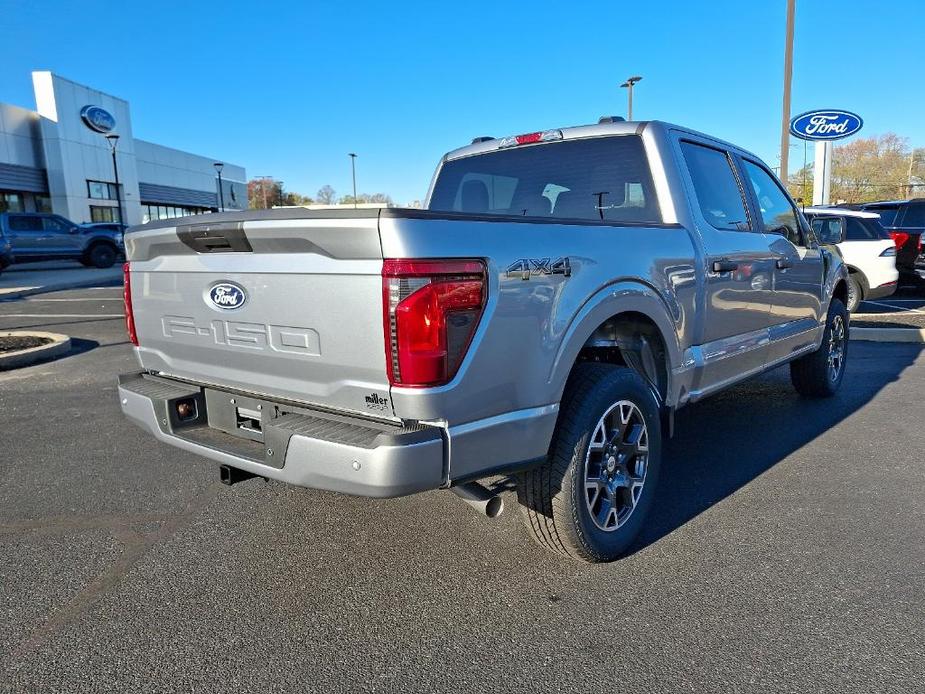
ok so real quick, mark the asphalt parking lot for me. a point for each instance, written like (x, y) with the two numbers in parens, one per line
(786, 554)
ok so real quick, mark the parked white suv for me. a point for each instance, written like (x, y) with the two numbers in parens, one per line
(866, 247)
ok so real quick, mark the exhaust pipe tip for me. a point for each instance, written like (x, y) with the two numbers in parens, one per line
(494, 507)
(479, 498)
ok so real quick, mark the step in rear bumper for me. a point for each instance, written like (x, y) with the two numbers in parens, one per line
(334, 453)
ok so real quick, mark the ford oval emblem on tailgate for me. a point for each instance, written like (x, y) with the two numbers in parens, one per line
(227, 295)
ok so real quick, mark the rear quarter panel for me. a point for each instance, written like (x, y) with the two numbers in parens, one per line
(532, 330)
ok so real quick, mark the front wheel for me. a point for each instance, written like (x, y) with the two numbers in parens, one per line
(590, 498)
(818, 375)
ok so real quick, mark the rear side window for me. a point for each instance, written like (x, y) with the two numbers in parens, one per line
(887, 214)
(25, 223)
(859, 229)
(602, 179)
(717, 189)
(914, 217)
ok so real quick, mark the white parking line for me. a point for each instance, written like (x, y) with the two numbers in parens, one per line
(898, 308)
(897, 301)
(62, 315)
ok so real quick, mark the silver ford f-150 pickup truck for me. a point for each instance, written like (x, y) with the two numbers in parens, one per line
(561, 295)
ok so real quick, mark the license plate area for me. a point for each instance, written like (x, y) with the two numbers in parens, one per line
(237, 415)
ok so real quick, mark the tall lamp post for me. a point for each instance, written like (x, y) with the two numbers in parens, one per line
(628, 85)
(221, 193)
(788, 78)
(353, 169)
(113, 141)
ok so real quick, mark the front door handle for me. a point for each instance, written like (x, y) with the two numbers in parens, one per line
(724, 266)
(784, 263)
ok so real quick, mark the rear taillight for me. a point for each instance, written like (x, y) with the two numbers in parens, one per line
(127, 297)
(431, 309)
(899, 238)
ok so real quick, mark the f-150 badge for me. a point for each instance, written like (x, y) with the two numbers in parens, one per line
(528, 267)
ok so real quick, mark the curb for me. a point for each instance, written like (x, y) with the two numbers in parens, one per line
(59, 287)
(916, 335)
(24, 357)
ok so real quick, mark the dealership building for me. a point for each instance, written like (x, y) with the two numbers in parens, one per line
(59, 158)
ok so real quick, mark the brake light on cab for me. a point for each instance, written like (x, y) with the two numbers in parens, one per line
(530, 138)
(127, 300)
(431, 310)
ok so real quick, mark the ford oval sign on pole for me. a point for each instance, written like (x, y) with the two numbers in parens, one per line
(823, 126)
(98, 119)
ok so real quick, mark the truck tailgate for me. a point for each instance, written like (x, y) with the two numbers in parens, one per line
(284, 308)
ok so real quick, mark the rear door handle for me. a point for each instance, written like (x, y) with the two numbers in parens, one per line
(724, 266)
(784, 263)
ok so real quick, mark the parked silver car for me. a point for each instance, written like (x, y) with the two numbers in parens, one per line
(561, 296)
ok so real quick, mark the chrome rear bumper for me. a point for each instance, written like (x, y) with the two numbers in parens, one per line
(308, 449)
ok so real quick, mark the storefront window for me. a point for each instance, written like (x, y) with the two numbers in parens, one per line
(42, 203)
(152, 213)
(101, 190)
(104, 214)
(11, 202)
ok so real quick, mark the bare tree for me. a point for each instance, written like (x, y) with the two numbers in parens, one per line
(326, 195)
(865, 169)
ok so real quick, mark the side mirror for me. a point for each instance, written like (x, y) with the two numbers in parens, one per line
(73, 230)
(830, 236)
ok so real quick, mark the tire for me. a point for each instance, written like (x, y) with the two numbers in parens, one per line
(855, 293)
(557, 498)
(102, 255)
(818, 375)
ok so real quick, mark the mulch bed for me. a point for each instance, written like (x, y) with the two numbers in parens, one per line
(14, 343)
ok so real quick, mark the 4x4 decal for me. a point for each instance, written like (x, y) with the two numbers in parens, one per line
(527, 267)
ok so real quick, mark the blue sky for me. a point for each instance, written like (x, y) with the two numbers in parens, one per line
(287, 89)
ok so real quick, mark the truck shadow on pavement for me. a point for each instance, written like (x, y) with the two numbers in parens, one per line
(724, 442)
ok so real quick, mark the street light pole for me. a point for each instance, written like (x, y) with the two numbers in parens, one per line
(353, 169)
(221, 193)
(113, 141)
(628, 85)
(788, 78)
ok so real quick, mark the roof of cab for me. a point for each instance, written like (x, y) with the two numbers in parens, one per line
(593, 130)
(840, 211)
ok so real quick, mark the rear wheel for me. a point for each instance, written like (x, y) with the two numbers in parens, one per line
(818, 375)
(590, 498)
(102, 255)
(855, 293)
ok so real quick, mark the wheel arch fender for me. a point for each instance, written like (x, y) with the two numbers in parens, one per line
(629, 297)
(858, 274)
(836, 280)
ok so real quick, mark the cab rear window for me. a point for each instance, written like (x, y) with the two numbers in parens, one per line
(604, 179)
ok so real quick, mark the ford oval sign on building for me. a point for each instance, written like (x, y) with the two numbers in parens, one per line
(227, 295)
(98, 119)
(828, 124)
